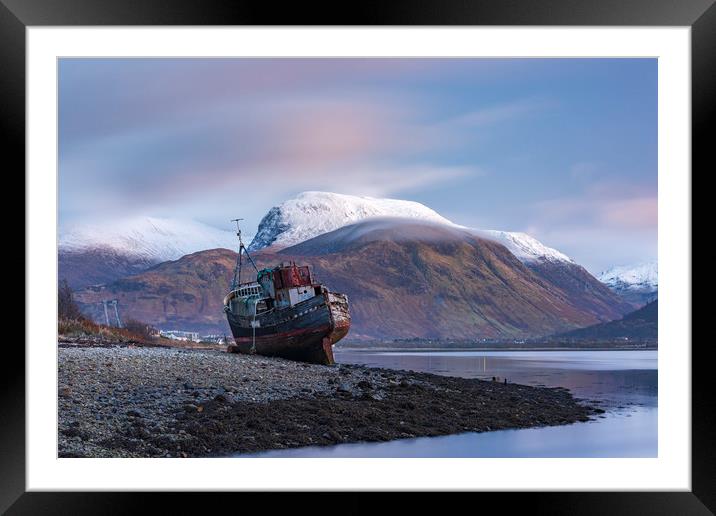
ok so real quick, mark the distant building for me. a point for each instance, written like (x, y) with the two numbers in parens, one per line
(214, 339)
(180, 335)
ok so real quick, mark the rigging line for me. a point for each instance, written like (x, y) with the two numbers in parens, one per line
(237, 269)
(249, 257)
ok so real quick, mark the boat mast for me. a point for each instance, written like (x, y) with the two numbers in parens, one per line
(242, 249)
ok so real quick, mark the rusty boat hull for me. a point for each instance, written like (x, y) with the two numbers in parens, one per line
(306, 331)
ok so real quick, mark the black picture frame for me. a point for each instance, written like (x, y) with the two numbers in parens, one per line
(700, 15)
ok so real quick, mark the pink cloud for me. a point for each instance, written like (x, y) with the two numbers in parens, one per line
(631, 213)
(606, 205)
(318, 133)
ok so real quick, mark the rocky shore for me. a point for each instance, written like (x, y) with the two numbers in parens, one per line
(159, 402)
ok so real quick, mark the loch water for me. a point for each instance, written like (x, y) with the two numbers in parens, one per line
(622, 383)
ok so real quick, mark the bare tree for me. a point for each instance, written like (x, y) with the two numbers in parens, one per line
(66, 306)
(144, 330)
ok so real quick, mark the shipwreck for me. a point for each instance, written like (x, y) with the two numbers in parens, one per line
(284, 312)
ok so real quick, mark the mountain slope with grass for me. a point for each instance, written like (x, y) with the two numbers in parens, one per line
(640, 324)
(404, 279)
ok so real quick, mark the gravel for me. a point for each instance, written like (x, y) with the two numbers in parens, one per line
(159, 402)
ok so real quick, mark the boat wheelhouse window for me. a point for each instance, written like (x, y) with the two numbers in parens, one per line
(250, 291)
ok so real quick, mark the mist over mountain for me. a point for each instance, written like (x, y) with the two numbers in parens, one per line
(404, 279)
(151, 238)
(407, 271)
(455, 258)
(98, 253)
(313, 213)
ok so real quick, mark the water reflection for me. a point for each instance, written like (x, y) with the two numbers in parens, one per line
(616, 378)
(619, 435)
(623, 383)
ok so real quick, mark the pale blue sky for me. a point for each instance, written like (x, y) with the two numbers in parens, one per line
(564, 149)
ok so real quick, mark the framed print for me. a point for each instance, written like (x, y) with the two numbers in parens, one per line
(422, 252)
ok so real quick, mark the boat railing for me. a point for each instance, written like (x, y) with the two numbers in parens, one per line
(245, 290)
(249, 289)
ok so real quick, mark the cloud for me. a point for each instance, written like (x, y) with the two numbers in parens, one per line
(346, 140)
(631, 213)
(252, 197)
(598, 248)
(215, 138)
(640, 212)
(607, 223)
(498, 113)
(103, 97)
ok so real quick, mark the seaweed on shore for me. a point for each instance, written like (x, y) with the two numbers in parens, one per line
(430, 406)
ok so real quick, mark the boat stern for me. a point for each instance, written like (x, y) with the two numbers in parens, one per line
(340, 315)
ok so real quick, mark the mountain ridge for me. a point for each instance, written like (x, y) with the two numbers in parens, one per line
(639, 324)
(150, 238)
(90, 254)
(306, 216)
(447, 283)
(132, 242)
(312, 213)
(636, 283)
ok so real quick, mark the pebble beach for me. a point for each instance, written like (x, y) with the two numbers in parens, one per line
(126, 401)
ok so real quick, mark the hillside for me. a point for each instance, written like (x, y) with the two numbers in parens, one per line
(182, 294)
(101, 252)
(451, 283)
(640, 324)
(310, 214)
(581, 289)
(404, 279)
(637, 284)
(98, 266)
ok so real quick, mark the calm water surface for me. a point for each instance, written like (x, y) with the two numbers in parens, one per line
(623, 383)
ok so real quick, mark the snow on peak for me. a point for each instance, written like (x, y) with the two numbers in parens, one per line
(296, 220)
(150, 238)
(641, 276)
(314, 213)
(526, 248)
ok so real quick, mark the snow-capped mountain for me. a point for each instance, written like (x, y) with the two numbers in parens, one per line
(98, 253)
(526, 248)
(346, 237)
(294, 221)
(148, 238)
(321, 223)
(637, 283)
(311, 214)
(641, 276)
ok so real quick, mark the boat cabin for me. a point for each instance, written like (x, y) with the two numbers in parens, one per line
(277, 288)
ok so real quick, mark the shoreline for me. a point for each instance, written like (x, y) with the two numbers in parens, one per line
(449, 350)
(169, 402)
